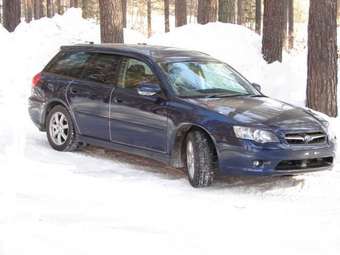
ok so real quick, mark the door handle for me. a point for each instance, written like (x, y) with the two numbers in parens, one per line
(74, 91)
(118, 100)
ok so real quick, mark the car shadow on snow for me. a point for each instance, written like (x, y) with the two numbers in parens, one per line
(244, 183)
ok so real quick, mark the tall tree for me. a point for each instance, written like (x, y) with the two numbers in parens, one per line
(49, 8)
(111, 21)
(290, 24)
(181, 12)
(41, 8)
(226, 11)
(258, 16)
(149, 9)
(36, 9)
(240, 12)
(285, 22)
(124, 9)
(167, 15)
(272, 41)
(28, 10)
(59, 7)
(206, 11)
(11, 14)
(322, 57)
(74, 3)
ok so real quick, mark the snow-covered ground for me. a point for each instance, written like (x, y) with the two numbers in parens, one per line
(105, 202)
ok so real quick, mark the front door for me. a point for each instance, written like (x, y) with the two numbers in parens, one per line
(136, 120)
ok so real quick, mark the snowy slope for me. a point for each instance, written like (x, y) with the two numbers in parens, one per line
(104, 202)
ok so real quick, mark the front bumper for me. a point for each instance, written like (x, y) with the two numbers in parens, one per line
(240, 160)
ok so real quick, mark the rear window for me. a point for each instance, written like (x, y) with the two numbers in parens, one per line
(69, 63)
(102, 68)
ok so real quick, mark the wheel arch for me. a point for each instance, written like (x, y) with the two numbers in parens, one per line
(50, 105)
(177, 158)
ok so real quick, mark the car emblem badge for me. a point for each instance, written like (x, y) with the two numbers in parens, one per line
(308, 138)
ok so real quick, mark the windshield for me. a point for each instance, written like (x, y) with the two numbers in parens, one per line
(206, 79)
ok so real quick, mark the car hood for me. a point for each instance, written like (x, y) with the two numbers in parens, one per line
(261, 111)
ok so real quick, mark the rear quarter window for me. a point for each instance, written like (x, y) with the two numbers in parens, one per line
(69, 63)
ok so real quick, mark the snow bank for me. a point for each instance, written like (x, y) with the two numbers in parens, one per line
(241, 48)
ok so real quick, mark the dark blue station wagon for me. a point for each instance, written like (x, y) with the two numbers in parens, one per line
(180, 107)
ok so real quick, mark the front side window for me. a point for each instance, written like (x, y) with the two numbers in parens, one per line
(102, 68)
(69, 64)
(135, 72)
(203, 79)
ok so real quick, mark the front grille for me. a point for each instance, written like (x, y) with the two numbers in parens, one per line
(304, 164)
(306, 138)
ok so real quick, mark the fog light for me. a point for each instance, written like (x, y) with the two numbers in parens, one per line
(257, 163)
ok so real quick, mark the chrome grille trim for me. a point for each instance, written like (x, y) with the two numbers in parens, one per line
(306, 138)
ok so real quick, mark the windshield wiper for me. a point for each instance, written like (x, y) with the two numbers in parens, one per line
(226, 95)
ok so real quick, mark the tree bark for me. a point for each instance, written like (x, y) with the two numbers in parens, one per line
(149, 6)
(226, 11)
(49, 8)
(290, 24)
(272, 30)
(167, 15)
(285, 23)
(322, 57)
(258, 17)
(36, 9)
(240, 12)
(29, 9)
(59, 7)
(181, 12)
(206, 11)
(74, 3)
(11, 14)
(111, 21)
(124, 9)
(41, 8)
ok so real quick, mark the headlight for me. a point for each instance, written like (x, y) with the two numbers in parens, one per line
(254, 134)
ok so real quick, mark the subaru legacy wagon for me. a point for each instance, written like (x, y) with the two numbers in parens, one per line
(183, 108)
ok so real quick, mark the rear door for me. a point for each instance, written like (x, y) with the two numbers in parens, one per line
(136, 120)
(89, 95)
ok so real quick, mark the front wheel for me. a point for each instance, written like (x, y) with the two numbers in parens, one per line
(61, 134)
(201, 159)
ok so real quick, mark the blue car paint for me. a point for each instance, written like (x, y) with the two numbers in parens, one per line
(156, 126)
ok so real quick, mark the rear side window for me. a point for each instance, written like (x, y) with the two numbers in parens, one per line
(69, 64)
(102, 68)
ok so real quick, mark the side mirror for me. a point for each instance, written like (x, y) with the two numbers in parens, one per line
(148, 89)
(257, 86)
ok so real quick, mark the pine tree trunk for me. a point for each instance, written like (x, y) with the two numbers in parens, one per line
(290, 24)
(29, 9)
(124, 9)
(206, 11)
(11, 14)
(49, 8)
(285, 23)
(240, 12)
(258, 16)
(71, 3)
(111, 21)
(322, 57)
(181, 12)
(36, 9)
(167, 15)
(41, 8)
(272, 30)
(59, 7)
(226, 11)
(149, 6)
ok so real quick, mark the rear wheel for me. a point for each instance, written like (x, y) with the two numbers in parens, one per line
(61, 134)
(201, 159)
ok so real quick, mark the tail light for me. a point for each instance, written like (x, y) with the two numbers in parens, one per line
(36, 80)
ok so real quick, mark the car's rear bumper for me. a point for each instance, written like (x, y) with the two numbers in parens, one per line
(279, 161)
(36, 111)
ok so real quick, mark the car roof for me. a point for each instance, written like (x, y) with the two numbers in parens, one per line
(157, 53)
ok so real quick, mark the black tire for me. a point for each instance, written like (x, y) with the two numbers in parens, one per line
(205, 160)
(71, 143)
